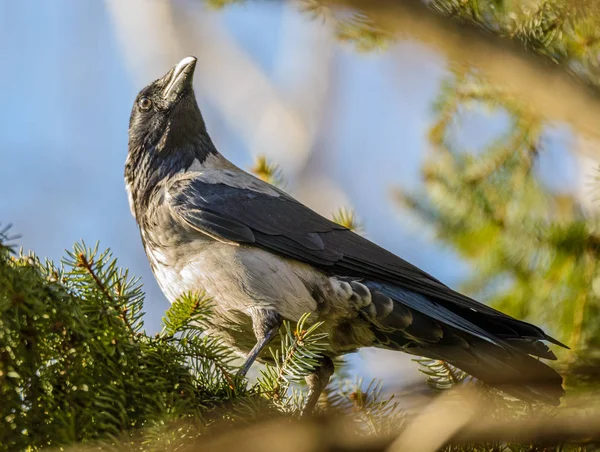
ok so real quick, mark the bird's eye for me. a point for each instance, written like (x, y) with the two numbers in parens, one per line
(145, 103)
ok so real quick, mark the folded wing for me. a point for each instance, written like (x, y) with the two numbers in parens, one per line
(282, 225)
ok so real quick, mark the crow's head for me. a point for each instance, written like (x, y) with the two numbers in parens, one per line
(166, 130)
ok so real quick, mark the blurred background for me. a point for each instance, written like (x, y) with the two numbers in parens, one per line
(469, 158)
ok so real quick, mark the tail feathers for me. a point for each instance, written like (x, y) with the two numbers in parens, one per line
(504, 326)
(531, 346)
(495, 349)
(519, 375)
(515, 373)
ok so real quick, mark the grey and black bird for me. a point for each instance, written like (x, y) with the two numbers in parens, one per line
(263, 257)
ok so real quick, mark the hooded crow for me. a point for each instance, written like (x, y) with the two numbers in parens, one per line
(208, 226)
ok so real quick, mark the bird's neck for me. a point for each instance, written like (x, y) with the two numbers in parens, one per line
(147, 167)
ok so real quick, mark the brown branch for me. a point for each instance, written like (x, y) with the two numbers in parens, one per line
(451, 419)
(88, 266)
(440, 426)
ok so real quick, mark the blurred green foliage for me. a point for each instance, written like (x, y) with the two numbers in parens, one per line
(75, 364)
(77, 367)
(533, 251)
(565, 31)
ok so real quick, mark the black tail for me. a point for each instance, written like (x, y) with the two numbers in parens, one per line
(511, 371)
(493, 347)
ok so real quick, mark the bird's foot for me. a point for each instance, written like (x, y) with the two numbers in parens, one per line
(265, 324)
(317, 381)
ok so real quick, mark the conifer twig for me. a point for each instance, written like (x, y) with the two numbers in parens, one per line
(88, 266)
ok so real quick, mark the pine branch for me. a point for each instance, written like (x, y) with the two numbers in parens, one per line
(71, 368)
(5, 239)
(88, 266)
(82, 261)
(441, 376)
(347, 218)
(373, 413)
(353, 27)
(267, 171)
(299, 355)
(189, 313)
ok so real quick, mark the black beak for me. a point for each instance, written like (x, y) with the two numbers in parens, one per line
(179, 78)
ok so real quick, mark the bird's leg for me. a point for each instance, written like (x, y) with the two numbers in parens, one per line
(265, 324)
(317, 381)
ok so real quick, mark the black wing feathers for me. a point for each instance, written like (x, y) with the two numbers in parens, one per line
(432, 319)
(282, 225)
(217, 226)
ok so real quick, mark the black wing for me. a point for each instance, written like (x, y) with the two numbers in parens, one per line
(282, 225)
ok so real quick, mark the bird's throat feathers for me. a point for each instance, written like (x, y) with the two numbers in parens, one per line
(152, 161)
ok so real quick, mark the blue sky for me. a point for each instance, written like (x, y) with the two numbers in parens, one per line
(68, 88)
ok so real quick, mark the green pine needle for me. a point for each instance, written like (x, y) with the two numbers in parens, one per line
(301, 348)
(347, 218)
(267, 171)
